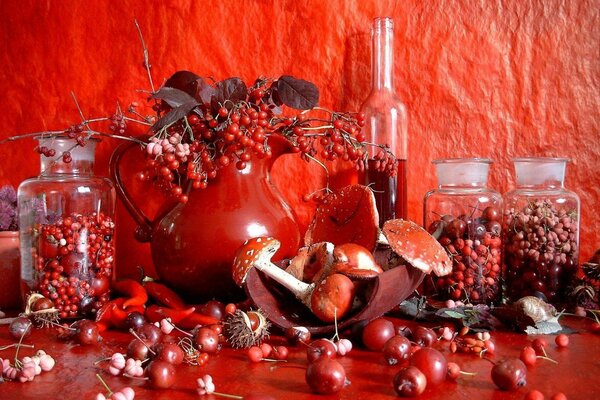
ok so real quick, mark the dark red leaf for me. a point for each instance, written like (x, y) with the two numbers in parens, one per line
(183, 80)
(297, 93)
(173, 97)
(232, 89)
(174, 115)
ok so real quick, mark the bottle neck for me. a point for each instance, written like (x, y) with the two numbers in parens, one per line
(79, 160)
(382, 63)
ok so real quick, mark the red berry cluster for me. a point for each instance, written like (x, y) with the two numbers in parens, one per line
(74, 260)
(475, 247)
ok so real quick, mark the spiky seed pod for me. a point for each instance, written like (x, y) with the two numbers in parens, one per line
(246, 329)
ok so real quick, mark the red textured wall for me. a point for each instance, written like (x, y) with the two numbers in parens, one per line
(488, 78)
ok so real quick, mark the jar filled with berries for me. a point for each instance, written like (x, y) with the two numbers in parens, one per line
(541, 220)
(465, 216)
(67, 229)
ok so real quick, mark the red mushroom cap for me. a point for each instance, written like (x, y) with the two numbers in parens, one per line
(349, 216)
(254, 250)
(415, 245)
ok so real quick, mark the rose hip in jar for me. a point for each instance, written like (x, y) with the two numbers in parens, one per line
(67, 229)
(541, 221)
(465, 216)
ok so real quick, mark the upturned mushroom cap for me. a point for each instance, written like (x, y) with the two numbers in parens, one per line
(253, 251)
(349, 216)
(355, 261)
(310, 260)
(416, 246)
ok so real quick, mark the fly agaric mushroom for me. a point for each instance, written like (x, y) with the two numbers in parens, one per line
(415, 245)
(332, 298)
(349, 216)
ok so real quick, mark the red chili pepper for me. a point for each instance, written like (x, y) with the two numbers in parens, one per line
(156, 313)
(165, 296)
(195, 319)
(133, 290)
(112, 314)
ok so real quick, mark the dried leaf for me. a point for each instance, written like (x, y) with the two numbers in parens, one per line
(297, 93)
(454, 314)
(544, 327)
(184, 81)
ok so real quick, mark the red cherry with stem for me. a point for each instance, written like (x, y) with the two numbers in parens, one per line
(561, 340)
(432, 364)
(377, 332)
(137, 350)
(423, 336)
(170, 352)
(207, 340)
(161, 374)
(135, 320)
(320, 348)
(280, 353)
(396, 350)
(150, 334)
(410, 382)
(266, 349)
(453, 371)
(87, 332)
(534, 395)
(20, 327)
(509, 374)
(214, 309)
(325, 376)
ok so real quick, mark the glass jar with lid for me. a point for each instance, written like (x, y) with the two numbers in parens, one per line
(541, 220)
(67, 229)
(464, 215)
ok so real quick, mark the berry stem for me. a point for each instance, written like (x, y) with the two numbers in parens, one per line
(545, 357)
(229, 396)
(29, 346)
(20, 342)
(146, 57)
(140, 339)
(110, 392)
(179, 329)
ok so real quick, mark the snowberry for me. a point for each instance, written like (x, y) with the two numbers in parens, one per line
(133, 367)
(205, 385)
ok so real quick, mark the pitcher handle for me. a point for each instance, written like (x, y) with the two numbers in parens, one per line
(143, 233)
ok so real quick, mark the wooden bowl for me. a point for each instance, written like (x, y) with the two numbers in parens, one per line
(386, 291)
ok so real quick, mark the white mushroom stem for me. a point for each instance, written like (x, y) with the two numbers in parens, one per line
(301, 290)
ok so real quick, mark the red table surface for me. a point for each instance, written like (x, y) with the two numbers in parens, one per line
(73, 377)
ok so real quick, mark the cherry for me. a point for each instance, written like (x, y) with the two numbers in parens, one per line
(161, 374)
(410, 382)
(100, 285)
(558, 396)
(87, 332)
(320, 348)
(453, 371)
(534, 395)
(255, 354)
(432, 364)
(207, 340)
(135, 320)
(562, 340)
(396, 350)
(510, 374)
(490, 214)
(137, 350)
(325, 376)
(539, 345)
(214, 309)
(280, 353)
(150, 334)
(170, 352)
(377, 332)
(20, 327)
(423, 336)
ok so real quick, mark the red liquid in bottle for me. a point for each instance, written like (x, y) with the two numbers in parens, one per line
(389, 191)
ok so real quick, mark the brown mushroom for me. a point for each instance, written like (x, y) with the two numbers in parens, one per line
(349, 216)
(330, 296)
(355, 261)
(415, 245)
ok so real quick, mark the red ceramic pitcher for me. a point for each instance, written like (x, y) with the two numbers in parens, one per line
(193, 244)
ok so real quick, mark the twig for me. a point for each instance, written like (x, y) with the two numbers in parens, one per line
(146, 57)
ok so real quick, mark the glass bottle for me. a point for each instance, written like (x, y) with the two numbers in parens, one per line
(465, 216)
(541, 220)
(66, 219)
(386, 122)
